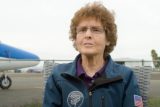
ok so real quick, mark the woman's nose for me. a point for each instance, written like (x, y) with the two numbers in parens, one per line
(88, 33)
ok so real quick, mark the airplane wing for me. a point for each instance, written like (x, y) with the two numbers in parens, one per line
(14, 58)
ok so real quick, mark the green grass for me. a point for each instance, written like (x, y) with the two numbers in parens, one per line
(34, 104)
(154, 102)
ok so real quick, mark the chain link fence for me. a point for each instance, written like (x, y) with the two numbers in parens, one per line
(141, 68)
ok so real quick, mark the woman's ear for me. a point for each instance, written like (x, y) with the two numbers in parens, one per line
(107, 43)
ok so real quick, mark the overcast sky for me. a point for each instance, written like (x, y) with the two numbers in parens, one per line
(42, 26)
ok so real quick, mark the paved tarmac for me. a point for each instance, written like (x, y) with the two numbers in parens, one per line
(155, 85)
(28, 87)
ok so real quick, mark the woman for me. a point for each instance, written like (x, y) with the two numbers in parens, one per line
(92, 79)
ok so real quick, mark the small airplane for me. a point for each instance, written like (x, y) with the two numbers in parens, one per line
(12, 58)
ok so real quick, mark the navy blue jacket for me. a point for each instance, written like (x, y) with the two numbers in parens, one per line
(116, 88)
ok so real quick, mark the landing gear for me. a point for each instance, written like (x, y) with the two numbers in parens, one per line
(5, 81)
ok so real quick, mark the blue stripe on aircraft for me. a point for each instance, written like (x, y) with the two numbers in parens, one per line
(15, 53)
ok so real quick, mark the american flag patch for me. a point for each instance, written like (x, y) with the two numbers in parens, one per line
(138, 101)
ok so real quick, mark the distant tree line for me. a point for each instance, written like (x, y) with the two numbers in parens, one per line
(155, 59)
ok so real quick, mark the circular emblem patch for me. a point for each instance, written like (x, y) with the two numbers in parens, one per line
(75, 99)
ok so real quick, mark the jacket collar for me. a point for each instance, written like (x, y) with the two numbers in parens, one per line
(108, 69)
(108, 78)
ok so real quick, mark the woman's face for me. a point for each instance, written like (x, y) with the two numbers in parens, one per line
(90, 39)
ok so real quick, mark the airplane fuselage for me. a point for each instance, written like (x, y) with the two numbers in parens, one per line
(12, 58)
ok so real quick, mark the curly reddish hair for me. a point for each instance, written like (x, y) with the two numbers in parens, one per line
(101, 13)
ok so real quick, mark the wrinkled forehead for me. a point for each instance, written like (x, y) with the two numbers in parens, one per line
(89, 21)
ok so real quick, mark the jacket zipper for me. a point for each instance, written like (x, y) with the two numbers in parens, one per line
(90, 99)
(99, 82)
(103, 101)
